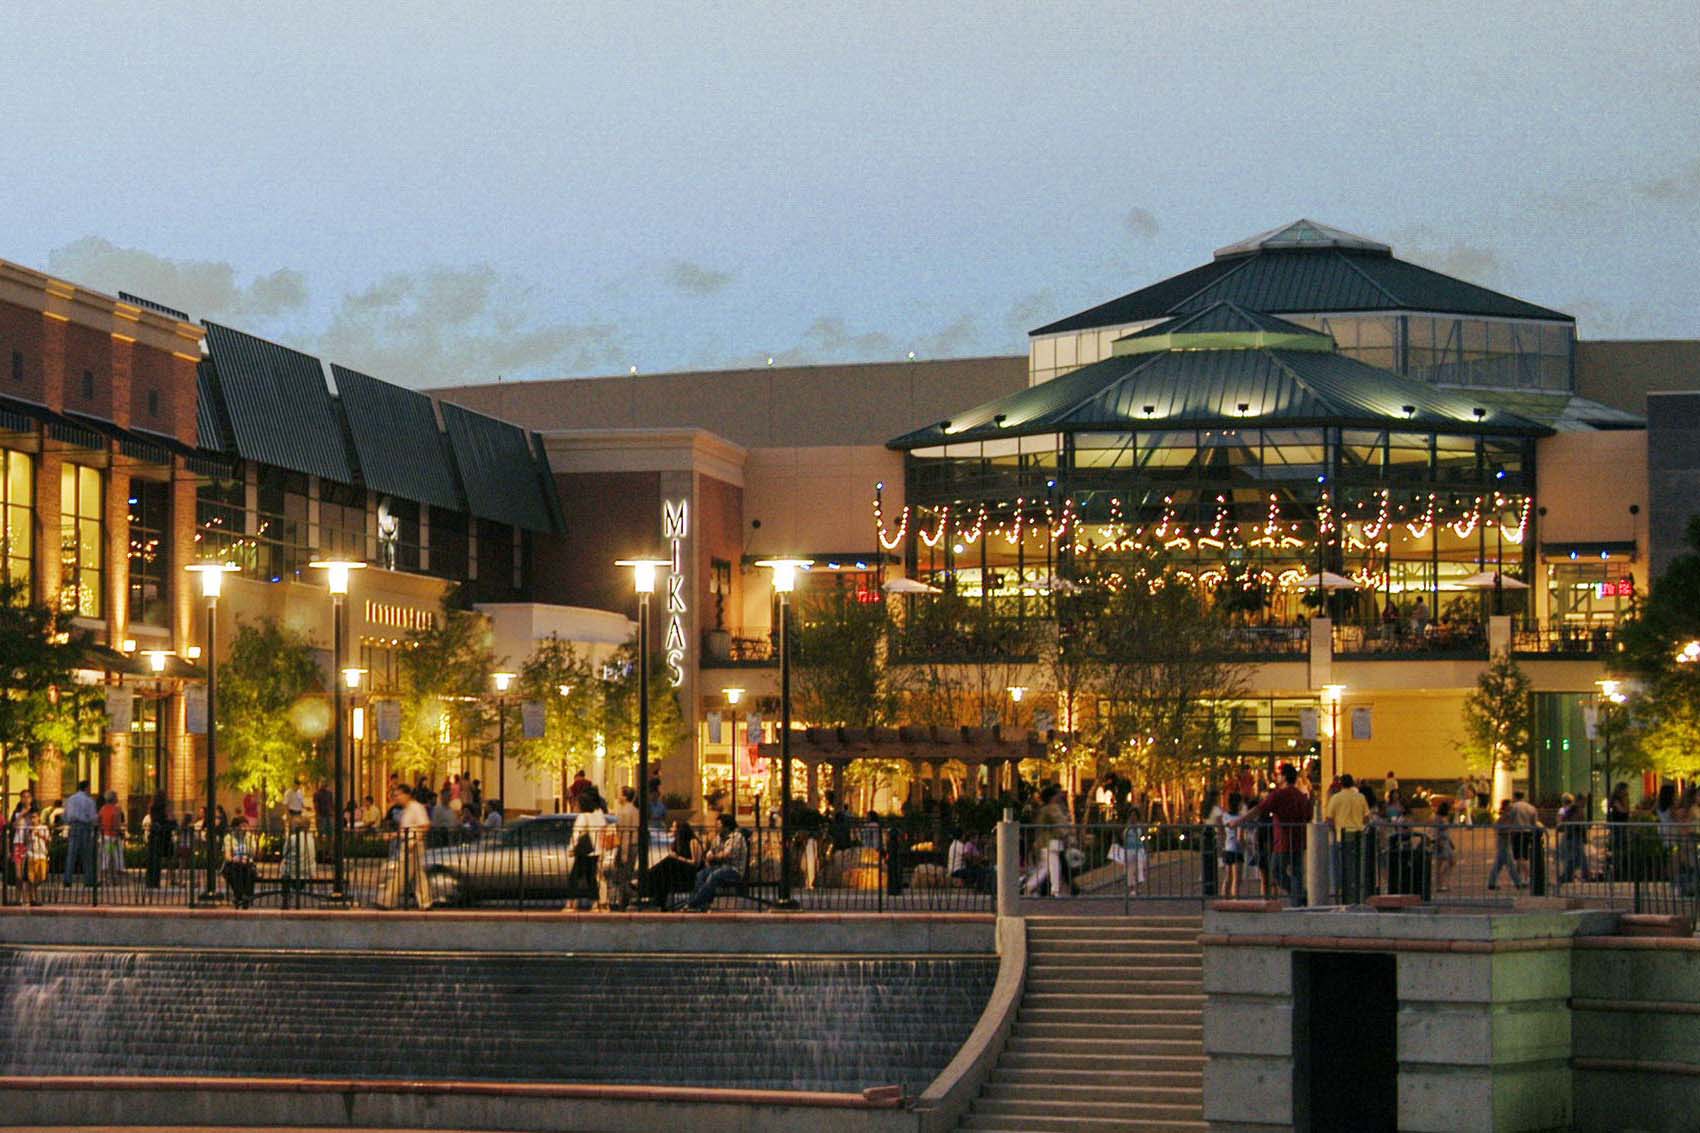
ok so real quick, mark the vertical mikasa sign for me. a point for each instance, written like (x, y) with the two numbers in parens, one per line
(675, 527)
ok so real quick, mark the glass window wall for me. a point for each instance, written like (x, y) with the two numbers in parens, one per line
(150, 552)
(82, 540)
(17, 516)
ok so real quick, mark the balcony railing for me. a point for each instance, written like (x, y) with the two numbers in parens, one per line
(1565, 640)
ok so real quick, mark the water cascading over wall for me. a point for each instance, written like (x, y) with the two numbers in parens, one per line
(834, 1024)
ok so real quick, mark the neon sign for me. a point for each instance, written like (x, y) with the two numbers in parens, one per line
(675, 527)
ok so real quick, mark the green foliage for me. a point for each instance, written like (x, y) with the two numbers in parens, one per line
(959, 658)
(1660, 727)
(445, 678)
(270, 710)
(667, 728)
(572, 719)
(1165, 667)
(1497, 717)
(839, 676)
(42, 705)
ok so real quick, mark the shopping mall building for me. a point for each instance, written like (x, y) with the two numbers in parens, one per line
(1304, 402)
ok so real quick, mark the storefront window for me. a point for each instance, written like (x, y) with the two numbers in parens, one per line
(1590, 593)
(342, 521)
(81, 540)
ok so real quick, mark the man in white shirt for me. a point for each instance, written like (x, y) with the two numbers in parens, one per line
(407, 857)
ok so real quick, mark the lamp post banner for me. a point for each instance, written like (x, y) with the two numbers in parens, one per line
(1308, 728)
(1361, 723)
(120, 708)
(714, 727)
(195, 709)
(531, 719)
(386, 718)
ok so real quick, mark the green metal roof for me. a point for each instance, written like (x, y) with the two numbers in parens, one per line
(1305, 267)
(396, 440)
(1224, 381)
(277, 404)
(1562, 412)
(500, 470)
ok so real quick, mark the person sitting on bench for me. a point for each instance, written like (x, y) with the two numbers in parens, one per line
(724, 865)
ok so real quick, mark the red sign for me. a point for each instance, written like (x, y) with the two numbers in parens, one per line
(1622, 588)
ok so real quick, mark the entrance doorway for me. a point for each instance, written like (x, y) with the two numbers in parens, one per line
(1345, 1043)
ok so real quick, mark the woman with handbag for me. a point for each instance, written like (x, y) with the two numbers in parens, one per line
(583, 884)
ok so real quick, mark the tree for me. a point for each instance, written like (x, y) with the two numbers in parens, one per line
(1497, 717)
(1662, 718)
(445, 680)
(271, 710)
(667, 729)
(839, 675)
(559, 677)
(1166, 667)
(42, 705)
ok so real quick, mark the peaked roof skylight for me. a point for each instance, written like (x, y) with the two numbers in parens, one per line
(1299, 235)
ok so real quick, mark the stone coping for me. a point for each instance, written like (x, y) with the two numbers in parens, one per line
(1440, 924)
(1380, 943)
(1641, 943)
(878, 1097)
(1637, 1066)
(949, 1095)
(437, 916)
(1635, 1006)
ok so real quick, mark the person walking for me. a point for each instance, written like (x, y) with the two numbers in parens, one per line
(1290, 808)
(23, 818)
(1136, 859)
(35, 857)
(81, 818)
(585, 880)
(1445, 854)
(111, 839)
(1233, 845)
(162, 837)
(1617, 833)
(406, 872)
(722, 866)
(1507, 830)
(1347, 812)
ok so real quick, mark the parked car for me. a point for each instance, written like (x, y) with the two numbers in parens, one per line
(532, 858)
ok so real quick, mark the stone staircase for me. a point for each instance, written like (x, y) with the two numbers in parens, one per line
(1109, 1034)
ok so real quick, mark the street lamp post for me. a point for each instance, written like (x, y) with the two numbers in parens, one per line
(1611, 695)
(503, 682)
(733, 697)
(1332, 694)
(336, 577)
(156, 665)
(784, 582)
(643, 581)
(212, 582)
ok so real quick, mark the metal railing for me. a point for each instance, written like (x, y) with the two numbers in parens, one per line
(1632, 867)
(530, 864)
(1565, 640)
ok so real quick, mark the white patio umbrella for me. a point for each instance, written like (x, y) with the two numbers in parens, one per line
(908, 586)
(1484, 580)
(1330, 581)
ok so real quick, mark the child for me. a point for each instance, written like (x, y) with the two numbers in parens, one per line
(1134, 857)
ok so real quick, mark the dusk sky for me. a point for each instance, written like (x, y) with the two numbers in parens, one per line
(442, 193)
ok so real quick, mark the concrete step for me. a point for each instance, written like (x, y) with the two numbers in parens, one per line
(1061, 920)
(1110, 1001)
(1100, 1048)
(1030, 1012)
(1185, 1077)
(1071, 1094)
(1114, 977)
(1047, 1106)
(1098, 1062)
(995, 1123)
(1174, 957)
(1103, 1030)
(1059, 945)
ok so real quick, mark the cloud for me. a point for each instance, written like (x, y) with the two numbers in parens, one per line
(1032, 310)
(1443, 252)
(694, 279)
(1141, 222)
(202, 288)
(445, 325)
(829, 339)
(1675, 188)
(961, 336)
(1597, 319)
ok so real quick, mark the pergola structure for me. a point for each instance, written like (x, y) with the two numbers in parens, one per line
(920, 746)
